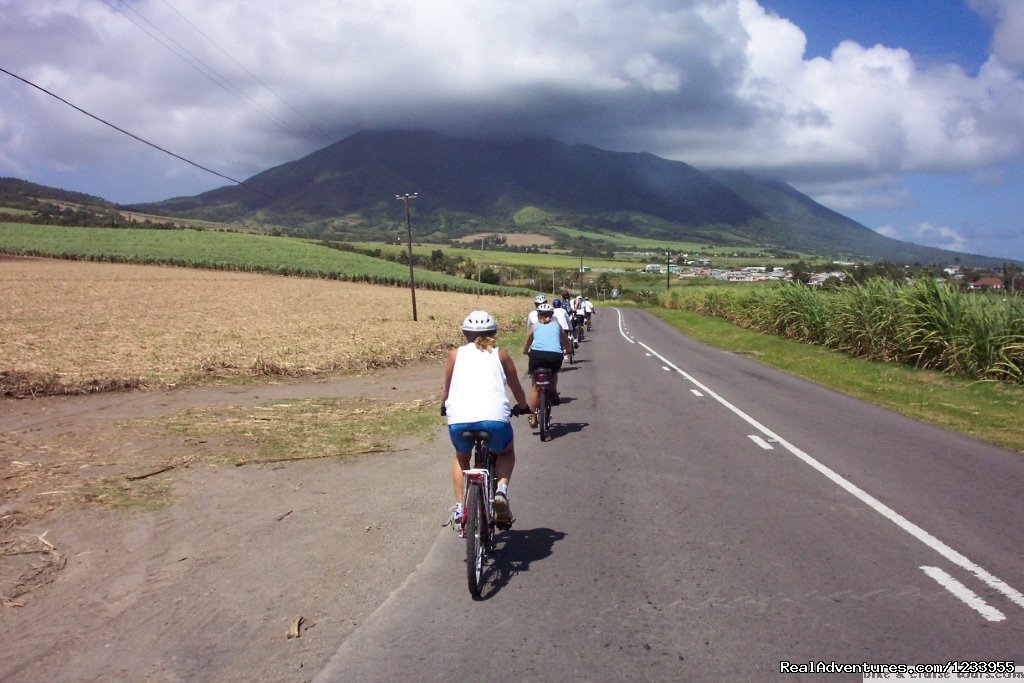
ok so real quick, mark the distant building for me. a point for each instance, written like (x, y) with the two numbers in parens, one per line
(986, 284)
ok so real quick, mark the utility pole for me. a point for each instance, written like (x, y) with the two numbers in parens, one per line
(668, 270)
(479, 266)
(408, 229)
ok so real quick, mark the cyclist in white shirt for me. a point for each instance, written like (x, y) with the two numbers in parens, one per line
(576, 313)
(562, 318)
(588, 312)
(531, 319)
(475, 378)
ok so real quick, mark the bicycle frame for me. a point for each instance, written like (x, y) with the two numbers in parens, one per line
(542, 380)
(481, 473)
(484, 478)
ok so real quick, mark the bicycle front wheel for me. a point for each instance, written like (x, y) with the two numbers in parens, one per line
(476, 538)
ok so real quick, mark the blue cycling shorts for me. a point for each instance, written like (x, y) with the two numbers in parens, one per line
(501, 435)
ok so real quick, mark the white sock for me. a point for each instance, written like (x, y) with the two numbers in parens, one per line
(503, 488)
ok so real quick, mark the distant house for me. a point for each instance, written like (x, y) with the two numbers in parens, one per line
(653, 268)
(986, 284)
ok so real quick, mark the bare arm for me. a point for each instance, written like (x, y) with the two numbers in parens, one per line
(448, 369)
(509, 366)
(529, 341)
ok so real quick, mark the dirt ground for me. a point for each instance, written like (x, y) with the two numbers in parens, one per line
(207, 587)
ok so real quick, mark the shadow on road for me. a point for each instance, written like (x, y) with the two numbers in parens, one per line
(515, 550)
(562, 428)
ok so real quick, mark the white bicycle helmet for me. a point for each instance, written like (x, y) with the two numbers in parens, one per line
(540, 299)
(545, 308)
(479, 321)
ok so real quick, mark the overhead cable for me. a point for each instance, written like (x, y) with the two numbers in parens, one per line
(256, 78)
(132, 135)
(202, 67)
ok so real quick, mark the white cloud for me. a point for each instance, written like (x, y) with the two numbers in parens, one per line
(711, 82)
(1007, 16)
(928, 235)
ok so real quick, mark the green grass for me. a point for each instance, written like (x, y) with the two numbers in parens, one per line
(514, 259)
(298, 429)
(624, 241)
(217, 250)
(120, 493)
(989, 411)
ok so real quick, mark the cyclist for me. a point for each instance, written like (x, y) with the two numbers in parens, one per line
(588, 312)
(577, 315)
(475, 377)
(531, 319)
(562, 318)
(545, 344)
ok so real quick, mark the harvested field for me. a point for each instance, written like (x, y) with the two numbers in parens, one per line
(80, 327)
(513, 239)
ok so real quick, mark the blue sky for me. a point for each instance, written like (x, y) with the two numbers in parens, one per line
(906, 115)
(935, 31)
(977, 211)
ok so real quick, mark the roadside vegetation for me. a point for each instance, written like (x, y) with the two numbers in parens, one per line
(988, 410)
(925, 324)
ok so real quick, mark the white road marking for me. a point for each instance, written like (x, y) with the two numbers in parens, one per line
(695, 392)
(1011, 593)
(621, 330)
(964, 593)
(665, 369)
(761, 442)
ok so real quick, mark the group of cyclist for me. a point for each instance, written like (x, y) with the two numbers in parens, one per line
(477, 373)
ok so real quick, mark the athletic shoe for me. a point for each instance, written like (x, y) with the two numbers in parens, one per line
(456, 519)
(502, 511)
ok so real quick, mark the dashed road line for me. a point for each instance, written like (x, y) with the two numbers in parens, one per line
(965, 594)
(986, 577)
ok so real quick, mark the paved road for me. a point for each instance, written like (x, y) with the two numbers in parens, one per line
(699, 516)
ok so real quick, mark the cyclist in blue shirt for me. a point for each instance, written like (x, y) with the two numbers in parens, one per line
(545, 344)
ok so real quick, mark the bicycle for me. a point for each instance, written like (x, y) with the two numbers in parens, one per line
(542, 378)
(477, 525)
(571, 351)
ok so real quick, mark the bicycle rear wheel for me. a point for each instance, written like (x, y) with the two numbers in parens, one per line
(543, 415)
(476, 538)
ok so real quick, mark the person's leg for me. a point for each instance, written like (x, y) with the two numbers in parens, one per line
(504, 463)
(459, 463)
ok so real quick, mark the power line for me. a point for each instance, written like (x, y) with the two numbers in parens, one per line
(241, 66)
(202, 67)
(132, 135)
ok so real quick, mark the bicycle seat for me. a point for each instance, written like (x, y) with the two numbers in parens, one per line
(476, 434)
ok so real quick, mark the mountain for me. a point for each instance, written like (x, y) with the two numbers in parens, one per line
(348, 189)
(20, 199)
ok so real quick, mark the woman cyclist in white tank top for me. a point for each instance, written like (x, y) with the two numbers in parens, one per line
(475, 377)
